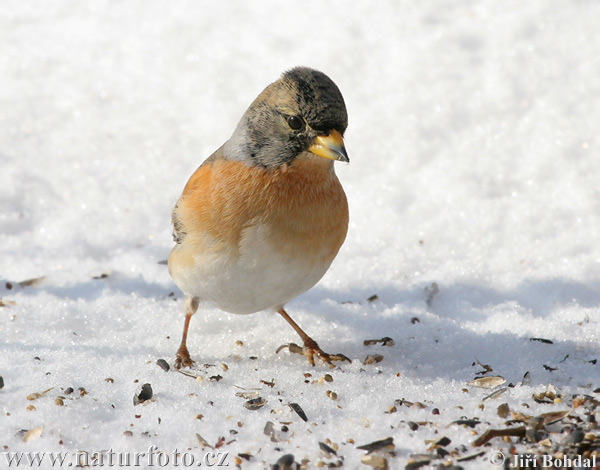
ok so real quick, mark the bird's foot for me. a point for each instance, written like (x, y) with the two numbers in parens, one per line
(183, 358)
(312, 349)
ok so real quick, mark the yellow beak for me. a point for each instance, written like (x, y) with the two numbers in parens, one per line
(330, 146)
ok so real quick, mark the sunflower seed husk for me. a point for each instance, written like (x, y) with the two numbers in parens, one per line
(285, 462)
(255, 403)
(542, 340)
(328, 450)
(487, 382)
(164, 365)
(386, 341)
(203, 441)
(503, 410)
(299, 411)
(373, 359)
(33, 434)
(496, 394)
(375, 461)
(383, 445)
(144, 395)
(36, 281)
(554, 416)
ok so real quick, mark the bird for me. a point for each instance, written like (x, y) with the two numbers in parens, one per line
(261, 220)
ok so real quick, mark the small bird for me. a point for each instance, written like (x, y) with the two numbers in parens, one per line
(261, 220)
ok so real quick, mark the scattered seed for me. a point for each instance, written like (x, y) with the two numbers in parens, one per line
(469, 423)
(247, 395)
(33, 434)
(239, 343)
(268, 384)
(412, 425)
(415, 320)
(375, 461)
(255, 403)
(467, 458)
(188, 373)
(215, 378)
(203, 441)
(331, 394)
(387, 341)
(328, 450)
(68, 391)
(144, 395)
(491, 433)
(285, 462)
(486, 367)
(199, 416)
(164, 365)
(526, 379)
(487, 382)
(542, 340)
(373, 359)
(503, 410)
(1, 382)
(224, 366)
(34, 282)
(373, 298)
(496, 394)
(31, 408)
(383, 445)
(419, 460)
(109, 380)
(299, 411)
(554, 416)
(59, 402)
(101, 276)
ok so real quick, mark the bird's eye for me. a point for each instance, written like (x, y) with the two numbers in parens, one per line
(294, 122)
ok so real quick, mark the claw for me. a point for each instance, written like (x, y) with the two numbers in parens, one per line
(311, 350)
(183, 359)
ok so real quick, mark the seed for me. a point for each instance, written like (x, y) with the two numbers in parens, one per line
(487, 382)
(255, 403)
(164, 365)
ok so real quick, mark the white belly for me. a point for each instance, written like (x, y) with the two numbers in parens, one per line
(256, 277)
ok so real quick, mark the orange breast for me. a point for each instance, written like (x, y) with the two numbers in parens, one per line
(303, 205)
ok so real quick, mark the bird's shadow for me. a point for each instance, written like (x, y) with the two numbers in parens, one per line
(433, 340)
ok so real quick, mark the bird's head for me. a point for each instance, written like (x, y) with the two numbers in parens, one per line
(303, 111)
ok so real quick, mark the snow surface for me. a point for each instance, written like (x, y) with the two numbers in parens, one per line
(473, 141)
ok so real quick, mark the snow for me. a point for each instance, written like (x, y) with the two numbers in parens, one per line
(473, 140)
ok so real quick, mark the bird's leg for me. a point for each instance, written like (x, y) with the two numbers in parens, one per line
(183, 355)
(311, 348)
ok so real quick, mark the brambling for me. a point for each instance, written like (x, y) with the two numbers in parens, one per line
(261, 220)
